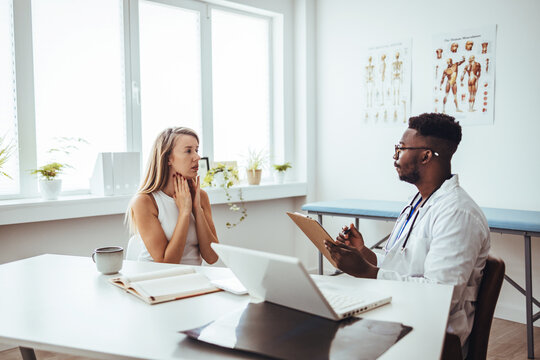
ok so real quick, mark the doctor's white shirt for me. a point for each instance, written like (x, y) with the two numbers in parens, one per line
(448, 244)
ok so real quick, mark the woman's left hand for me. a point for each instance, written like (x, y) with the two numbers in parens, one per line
(195, 187)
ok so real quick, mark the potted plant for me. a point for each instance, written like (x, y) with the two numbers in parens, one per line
(5, 153)
(255, 161)
(49, 185)
(279, 175)
(225, 176)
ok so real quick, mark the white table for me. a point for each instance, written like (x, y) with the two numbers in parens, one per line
(61, 303)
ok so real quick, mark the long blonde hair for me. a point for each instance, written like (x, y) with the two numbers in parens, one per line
(157, 169)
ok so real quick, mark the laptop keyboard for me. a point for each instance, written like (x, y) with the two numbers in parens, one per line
(341, 301)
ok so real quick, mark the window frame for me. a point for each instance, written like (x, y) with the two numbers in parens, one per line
(24, 77)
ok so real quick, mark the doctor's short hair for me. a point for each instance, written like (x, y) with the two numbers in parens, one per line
(437, 125)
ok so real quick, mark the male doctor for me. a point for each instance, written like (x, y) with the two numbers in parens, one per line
(441, 237)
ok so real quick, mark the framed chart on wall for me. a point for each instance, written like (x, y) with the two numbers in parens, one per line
(464, 74)
(387, 83)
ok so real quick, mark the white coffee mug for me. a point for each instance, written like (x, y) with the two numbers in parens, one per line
(108, 259)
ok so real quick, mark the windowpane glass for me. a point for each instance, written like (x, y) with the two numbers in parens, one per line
(79, 82)
(241, 88)
(170, 70)
(8, 112)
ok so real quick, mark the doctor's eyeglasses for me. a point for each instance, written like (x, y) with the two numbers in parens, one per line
(399, 148)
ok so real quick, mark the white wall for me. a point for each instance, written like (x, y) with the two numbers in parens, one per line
(267, 228)
(498, 164)
(71, 237)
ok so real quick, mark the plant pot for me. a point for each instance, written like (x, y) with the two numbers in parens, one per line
(279, 177)
(50, 188)
(254, 176)
(219, 179)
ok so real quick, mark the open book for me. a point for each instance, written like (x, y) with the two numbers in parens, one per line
(165, 285)
(315, 232)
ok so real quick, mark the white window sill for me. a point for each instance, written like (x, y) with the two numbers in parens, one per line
(69, 207)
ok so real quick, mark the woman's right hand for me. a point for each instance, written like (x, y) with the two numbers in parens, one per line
(350, 236)
(182, 195)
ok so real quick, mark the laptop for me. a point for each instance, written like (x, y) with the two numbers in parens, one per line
(283, 280)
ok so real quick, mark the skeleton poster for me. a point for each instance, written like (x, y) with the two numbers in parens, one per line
(464, 75)
(387, 84)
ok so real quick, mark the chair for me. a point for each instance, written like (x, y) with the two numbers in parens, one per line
(134, 248)
(488, 294)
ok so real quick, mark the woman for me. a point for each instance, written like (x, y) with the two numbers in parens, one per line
(170, 215)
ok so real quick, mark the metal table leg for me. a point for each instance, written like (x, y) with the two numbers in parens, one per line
(356, 224)
(320, 253)
(529, 297)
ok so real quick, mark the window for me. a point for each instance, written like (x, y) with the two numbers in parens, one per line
(8, 113)
(109, 75)
(173, 88)
(241, 84)
(79, 83)
(170, 70)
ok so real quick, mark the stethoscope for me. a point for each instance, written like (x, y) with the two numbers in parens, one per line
(404, 225)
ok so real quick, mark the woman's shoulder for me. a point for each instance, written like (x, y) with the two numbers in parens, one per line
(144, 202)
(204, 193)
(205, 200)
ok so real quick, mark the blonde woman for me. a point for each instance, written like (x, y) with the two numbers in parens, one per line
(170, 216)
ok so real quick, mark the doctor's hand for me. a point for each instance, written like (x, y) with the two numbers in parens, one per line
(350, 236)
(351, 261)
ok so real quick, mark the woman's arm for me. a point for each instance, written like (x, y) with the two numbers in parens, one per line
(206, 231)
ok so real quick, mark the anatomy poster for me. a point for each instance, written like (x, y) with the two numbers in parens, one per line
(464, 75)
(387, 84)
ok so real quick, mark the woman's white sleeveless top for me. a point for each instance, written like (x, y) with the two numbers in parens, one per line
(168, 216)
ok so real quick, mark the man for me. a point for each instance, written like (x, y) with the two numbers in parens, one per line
(450, 74)
(473, 69)
(442, 236)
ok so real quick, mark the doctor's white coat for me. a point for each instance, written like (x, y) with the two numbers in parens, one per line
(448, 244)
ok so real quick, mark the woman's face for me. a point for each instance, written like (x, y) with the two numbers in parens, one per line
(184, 157)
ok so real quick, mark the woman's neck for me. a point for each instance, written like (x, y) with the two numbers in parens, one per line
(169, 187)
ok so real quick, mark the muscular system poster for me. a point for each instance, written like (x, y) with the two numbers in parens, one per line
(464, 75)
(387, 84)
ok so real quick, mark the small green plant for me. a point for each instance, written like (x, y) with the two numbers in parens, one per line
(255, 159)
(66, 145)
(5, 153)
(282, 167)
(225, 177)
(50, 171)
(229, 174)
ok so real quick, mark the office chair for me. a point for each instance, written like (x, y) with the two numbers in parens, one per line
(134, 248)
(488, 294)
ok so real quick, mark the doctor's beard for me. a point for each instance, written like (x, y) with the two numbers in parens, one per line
(412, 177)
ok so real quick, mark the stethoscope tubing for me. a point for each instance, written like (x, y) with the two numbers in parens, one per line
(412, 223)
